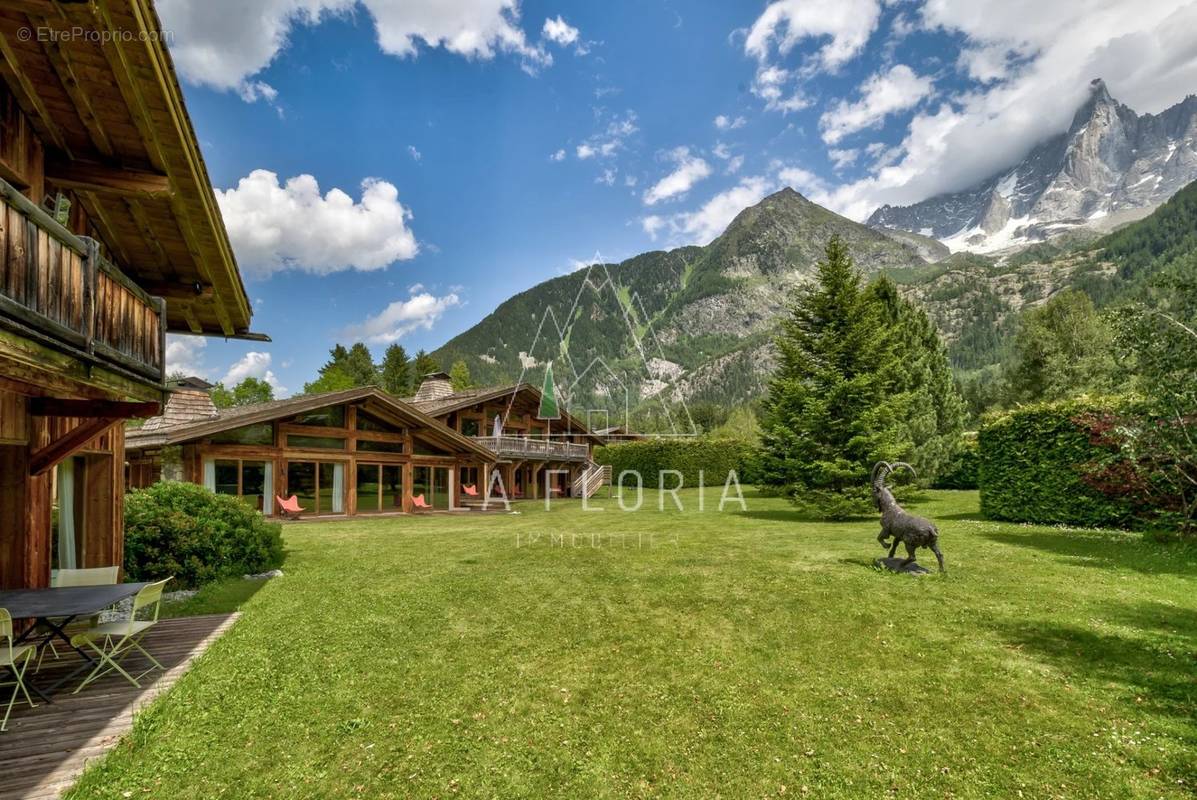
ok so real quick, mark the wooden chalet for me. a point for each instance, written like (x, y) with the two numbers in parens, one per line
(529, 449)
(357, 451)
(110, 236)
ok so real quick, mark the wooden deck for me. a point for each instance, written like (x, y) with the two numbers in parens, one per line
(45, 749)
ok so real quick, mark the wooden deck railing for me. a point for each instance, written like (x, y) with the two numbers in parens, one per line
(534, 447)
(59, 288)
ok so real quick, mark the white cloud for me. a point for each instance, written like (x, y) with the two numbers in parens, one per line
(842, 158)
(726, 123)
(415, 154)
(559, 31)
(1144, 50)
(606, 177)
(734, 163)
(689, 170)
(421, 310)
(223, 43)
(785, 23)
(185, 354)
(558, 156)
(710, 219)
(881, 95)
(276, 227)
(610, 140)
(254, 365)
(770, 84)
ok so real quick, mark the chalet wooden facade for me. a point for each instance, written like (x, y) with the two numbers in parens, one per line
(358, 451)
(533, 453)
(109, 237)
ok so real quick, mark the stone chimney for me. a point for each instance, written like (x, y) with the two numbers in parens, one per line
(435, 386)
(188, 402)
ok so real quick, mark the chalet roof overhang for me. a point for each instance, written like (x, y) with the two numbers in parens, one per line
(372, 399)
(465, 400)
(97, 83)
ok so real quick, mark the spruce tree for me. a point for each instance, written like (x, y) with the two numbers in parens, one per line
(833, 407)
(935, 410)
(396, 371)
(425, 365)
(459, 376)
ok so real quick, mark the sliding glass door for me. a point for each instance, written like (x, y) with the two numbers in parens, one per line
(250, 480)
(379, 487)
(433, 483)
(319, 485)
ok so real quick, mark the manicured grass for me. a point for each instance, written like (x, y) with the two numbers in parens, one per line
(687, 655)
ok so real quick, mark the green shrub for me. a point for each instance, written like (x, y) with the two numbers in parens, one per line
(184, 530)
(962, 471)
(714, 457)
(1059, 463)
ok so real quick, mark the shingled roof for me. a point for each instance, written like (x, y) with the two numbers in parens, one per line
(167, 430)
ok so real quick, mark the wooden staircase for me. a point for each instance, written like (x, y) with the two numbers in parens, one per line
(591, 479)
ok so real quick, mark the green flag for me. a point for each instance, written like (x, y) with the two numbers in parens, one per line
(548, 396)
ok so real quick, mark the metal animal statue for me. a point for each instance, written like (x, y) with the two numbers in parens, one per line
(899, 524)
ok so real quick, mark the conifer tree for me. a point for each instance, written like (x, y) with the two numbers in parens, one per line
(396, 371)
(835, 403)
(459, 376)
(424, 365)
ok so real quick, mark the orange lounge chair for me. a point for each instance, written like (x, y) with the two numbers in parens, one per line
(290, 507)
(417, 501)
(471, 490)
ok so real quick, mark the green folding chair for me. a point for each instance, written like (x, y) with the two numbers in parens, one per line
(91, 576)
(112, 641)
(12, 655)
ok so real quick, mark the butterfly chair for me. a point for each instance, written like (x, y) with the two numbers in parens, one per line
(112, 641)
(10, 656)
(418, 502)
(290, 507)
(92, 576)
(470, 489)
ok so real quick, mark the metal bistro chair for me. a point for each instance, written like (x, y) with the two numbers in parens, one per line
(118, 639)
(10, 656)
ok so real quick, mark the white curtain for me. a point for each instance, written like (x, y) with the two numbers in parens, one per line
(210, 475)
(268, 490)
(66, 515)
(338, 489)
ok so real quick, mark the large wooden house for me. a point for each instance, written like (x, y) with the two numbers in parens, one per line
(357, 451)
(535, 455)
(110, 236)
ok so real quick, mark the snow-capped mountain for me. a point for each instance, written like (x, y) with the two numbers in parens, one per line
(1111, 165)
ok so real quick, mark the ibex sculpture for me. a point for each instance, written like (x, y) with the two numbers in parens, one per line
(896, 522)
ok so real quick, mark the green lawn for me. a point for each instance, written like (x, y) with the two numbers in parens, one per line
(726, 655)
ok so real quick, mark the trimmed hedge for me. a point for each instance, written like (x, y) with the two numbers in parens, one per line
(1052, 464)
(715, 457)
(184, 530)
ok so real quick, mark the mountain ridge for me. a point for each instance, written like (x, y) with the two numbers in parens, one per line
(1110, 167)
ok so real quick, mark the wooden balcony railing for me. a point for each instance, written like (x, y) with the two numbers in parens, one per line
(535, 447)
(57, 288)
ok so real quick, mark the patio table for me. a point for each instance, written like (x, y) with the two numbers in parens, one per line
(54, 609)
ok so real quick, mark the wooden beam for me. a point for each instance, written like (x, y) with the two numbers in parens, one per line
(178, 290)
(28, 97)
(60, 62)
(90, 176)
(46, 458)
(109, 409)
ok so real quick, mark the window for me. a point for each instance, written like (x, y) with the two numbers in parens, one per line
(331, 417)
(250, 480)
(365, 422)
(468, 476)
(422, 448)
(317, 442)
(470, 427)
(371, 446)
(379, 487)
(433, 483)
(250, 434)
(228, 478)
(319, 485)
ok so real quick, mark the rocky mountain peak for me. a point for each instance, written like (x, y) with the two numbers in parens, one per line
(1111, 166)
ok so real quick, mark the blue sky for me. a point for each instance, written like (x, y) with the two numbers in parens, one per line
(474, 148)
